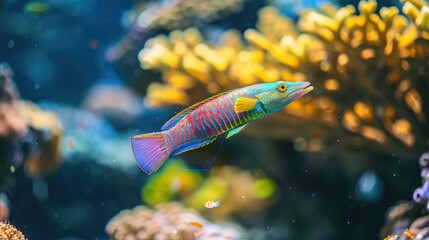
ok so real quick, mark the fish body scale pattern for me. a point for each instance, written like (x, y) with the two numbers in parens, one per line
(211, 119)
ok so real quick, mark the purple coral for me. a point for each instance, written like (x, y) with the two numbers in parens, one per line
(424, 160)
(421, 194)
(425, 173)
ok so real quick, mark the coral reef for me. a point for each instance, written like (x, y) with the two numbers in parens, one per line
(239, 191)
(150, 18)
(47, 133)
(29, 137)
(369, 71)
(166, 221)
(11, 122)
(404, 220)
(411, 215)
(28, 134)
(9, 232)
(421, 195)
(404, 213)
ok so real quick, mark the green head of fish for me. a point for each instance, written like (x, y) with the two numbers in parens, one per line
(275, 96)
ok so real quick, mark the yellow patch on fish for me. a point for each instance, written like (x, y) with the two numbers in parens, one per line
(243, 104)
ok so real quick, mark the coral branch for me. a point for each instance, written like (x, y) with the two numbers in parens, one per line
(167, 221)
(9, 232)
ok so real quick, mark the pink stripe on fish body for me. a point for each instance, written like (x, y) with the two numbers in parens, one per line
(208, 120)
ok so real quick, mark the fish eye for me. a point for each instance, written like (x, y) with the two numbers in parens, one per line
(282, 87)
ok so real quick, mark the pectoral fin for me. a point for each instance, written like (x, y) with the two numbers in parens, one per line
(243, 104)
(192, 145)
(236, 130)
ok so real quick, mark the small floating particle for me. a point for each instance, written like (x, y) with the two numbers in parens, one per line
(212, 204)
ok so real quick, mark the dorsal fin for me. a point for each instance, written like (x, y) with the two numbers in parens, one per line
(174, 120)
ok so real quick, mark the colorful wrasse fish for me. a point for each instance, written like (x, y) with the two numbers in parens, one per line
(203, 122)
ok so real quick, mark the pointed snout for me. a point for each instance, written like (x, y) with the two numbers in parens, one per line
(299, 89)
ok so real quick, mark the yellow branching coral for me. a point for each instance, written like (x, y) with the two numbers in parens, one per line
(9, 232)
(370, 72)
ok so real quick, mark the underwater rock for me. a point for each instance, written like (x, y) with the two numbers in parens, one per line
(93, 136)
(145, 19)
(28, 135)
(369, 71)
(12, 123)
(405, 216)
(178, 14)
(46, 134)
(148, 19)
(114, 102)
(412, 216)
(166, 221)
(9, 232)
(84, 132)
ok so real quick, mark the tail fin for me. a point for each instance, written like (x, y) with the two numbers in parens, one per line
(150, 151)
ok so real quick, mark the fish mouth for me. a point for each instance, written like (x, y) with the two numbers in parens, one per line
(301, 90)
